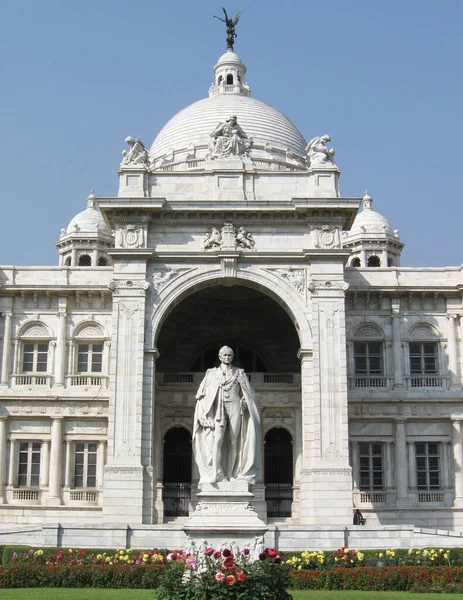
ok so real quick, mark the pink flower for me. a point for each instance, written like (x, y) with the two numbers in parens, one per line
(245, 551)
(209, 551)
(231, 580)
(228, 562)
(219, 576)
(240, 576)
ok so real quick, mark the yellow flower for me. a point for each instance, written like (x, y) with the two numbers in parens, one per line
(440, 550)
(380, 555)
(346, 550)
(335, 559)
(446, 556)
(410, 551)
(107, 559)
(99, 557)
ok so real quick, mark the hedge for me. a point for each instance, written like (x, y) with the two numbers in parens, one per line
(380, 579)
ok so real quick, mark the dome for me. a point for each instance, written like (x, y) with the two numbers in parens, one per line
(89, 220)
(370, 222)
(229, 57)
(267, 126)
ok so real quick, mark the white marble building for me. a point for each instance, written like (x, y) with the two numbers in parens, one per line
(231, 229)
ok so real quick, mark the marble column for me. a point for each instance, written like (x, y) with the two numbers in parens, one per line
(397, 345)
(6, 356)
(457, 462)
(61, 342)
(56, 457)
(452, 350)
(446, 470)
(3, 451)
(401, 470)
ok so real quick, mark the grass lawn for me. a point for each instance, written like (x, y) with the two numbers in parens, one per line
(105, 594)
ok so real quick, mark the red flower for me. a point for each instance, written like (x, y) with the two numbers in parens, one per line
(271, 552)
(228, 562)
(226, 552)
(240, 576)
(230, 580)
(262, 556)
(209, 551)
(217, 554)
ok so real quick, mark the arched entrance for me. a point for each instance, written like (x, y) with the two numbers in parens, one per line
(177, 472)
(278, 467)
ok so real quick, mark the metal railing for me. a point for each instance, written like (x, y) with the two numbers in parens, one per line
(176, 498)
(279, 497)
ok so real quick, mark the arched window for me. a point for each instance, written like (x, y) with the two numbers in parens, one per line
(102, 262)
(229, 79)
(355, 262)
(368, 359)
(90, 366)
(278, 468)
(85, 261)
(35, 363)
(373, 261)
(177, 472)
(67, 262)
(423, 351)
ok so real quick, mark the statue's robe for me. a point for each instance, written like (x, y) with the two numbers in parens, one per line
(210, 414)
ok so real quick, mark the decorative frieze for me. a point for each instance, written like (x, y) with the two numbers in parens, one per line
(116, 286)
(326, 236)
(161, 277)
(316, 286)
(295, 277)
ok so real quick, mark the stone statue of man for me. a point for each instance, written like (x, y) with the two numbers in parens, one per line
(226, 432)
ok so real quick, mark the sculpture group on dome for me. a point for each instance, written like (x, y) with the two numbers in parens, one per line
(228, 139)
(137, 153)
(318, 153)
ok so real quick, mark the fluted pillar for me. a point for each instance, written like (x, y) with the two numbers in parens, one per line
(401, 474)
(452, 349)
(56, 456)
(3, 435)
(6, 356)
(457, 461)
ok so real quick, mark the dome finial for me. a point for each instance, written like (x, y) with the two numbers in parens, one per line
(367, 201)
(91, 199)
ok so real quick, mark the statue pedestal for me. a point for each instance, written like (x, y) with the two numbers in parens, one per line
(225, 513)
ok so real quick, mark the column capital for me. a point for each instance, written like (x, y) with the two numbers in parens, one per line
(452, 315)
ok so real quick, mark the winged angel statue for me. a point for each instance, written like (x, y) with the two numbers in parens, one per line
(231, 24)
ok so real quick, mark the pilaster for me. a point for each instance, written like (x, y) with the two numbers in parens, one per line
(326, 483)
(124, 470)
(397, 345)
(61, 342)
(452, 350)
(401, 462)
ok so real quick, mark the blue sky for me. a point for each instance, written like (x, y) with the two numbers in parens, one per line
(382, 77)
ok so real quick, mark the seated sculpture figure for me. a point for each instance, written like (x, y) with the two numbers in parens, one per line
(229, 139)
(318, 153)
(137, 153)
(226, 429)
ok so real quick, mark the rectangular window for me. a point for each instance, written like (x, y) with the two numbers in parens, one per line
(371, 466)
(29, 464)
(423, 358)
(89, 358)
(35, 357)
(368, 358)
(427, 466)
(85, 465)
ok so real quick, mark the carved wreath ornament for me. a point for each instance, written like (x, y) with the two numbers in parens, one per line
(228, 239)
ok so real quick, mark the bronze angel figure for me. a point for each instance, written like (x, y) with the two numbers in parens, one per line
(231, 24)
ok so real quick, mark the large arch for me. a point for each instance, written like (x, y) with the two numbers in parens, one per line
(269, 284)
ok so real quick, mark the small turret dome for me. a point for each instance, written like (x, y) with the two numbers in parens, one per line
(89, 220)
(371, 239)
